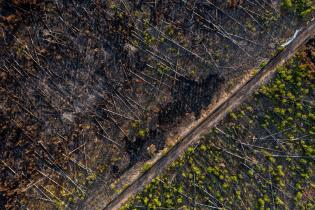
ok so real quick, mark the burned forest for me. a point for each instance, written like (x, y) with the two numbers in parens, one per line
(90, 91)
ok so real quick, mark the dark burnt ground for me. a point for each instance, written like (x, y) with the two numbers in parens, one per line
(256, 156)
(88, 89)
(188, 96)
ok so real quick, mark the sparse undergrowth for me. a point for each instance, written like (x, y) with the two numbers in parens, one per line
(302, 8)
(260, 157)
(90, 88)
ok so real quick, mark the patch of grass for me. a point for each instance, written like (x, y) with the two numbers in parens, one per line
(146, 166)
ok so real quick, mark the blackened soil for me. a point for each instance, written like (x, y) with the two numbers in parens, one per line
(3, 201)
(188, 96)
(137, 148)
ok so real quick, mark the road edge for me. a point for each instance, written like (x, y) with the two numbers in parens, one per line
(230, 103)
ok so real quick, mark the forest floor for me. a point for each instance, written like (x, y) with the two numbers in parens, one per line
(93, 93)
(208, 122)
(260, 156)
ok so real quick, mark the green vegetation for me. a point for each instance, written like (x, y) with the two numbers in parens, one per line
(97, 87)
(139, 128)
(260, 157)
(300, 7)
(146, 166)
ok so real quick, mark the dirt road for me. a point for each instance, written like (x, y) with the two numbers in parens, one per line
(203, 127)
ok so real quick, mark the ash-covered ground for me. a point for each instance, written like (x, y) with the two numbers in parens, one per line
(90, 88)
